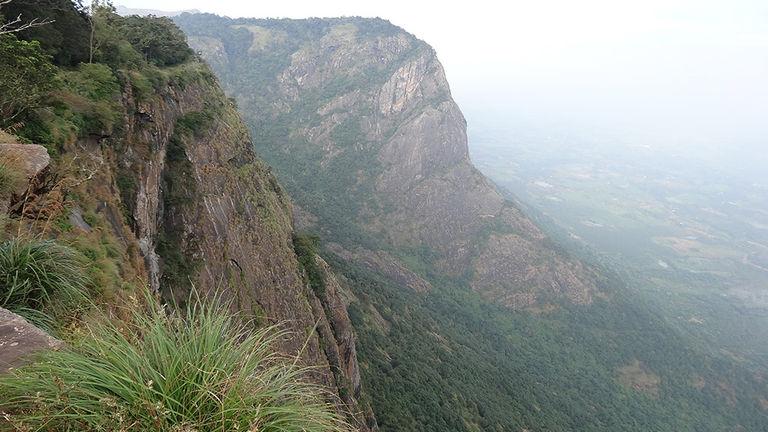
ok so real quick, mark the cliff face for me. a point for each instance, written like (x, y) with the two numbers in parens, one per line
(358, 115)
(208, 211)
(189, 204)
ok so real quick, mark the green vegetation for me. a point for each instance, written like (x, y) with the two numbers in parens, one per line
(157, 39)
(305, 246)
(52, 106)
(27, 78)
(142, 366)
(92, 81)
(66, 35)
(450, 361)
(161, 371)
(42, 280)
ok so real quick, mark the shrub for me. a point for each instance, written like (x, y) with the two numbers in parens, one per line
(142, 87)
(195, 371)
(41, 279)
(26, 79)
(95, 82)
(305, 246)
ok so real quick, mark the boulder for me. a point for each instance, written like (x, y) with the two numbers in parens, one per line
(28, 159)
(20, 340)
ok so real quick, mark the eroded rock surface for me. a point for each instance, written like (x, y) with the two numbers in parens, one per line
(28, 160)
(384, 263)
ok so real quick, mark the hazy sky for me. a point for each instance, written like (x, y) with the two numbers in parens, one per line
(698, 66)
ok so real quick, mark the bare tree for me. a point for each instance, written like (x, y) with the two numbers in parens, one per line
(97, 15)
(17, 24)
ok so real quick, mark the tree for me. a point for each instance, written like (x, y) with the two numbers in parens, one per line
(157, 38)
(107, 42)
(28, 77)
(17, 24)
(99, 17)
(66, 35)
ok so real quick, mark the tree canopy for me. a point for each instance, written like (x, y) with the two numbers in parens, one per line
(28, 77)
(66, 37)
(157, 38)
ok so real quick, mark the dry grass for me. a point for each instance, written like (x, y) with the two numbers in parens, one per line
(7, 138)
(11, 177)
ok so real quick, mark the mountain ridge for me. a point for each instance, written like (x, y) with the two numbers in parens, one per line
(394, 123)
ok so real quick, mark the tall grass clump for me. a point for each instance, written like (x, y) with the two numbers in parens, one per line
(9, 179)
(41, 279)
(196, 371)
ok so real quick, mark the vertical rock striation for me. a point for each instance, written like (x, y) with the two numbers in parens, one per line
(180, 185)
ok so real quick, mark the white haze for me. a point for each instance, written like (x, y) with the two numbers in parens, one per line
(688, 74)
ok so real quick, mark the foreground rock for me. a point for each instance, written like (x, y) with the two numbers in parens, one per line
(28, 160)
(22, 163)
(20, 340)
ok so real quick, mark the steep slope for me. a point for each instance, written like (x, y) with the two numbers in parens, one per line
(155, 179)
(205, 211)
(356, 117)
(368, 108)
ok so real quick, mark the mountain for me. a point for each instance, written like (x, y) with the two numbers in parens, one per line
(469, 316)
(126, 11)
(417, 296)
(373, 117)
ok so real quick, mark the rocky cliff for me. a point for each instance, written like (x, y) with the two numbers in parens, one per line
(176, 186)
(358, 116)
(206, 210)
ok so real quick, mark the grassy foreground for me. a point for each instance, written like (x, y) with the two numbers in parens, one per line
(196, 371)
(41, 280)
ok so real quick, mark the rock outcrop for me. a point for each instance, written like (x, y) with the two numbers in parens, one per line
(22, 163)
(335, 325)
(20, 341)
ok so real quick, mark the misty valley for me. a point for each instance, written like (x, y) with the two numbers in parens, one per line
(689, 230)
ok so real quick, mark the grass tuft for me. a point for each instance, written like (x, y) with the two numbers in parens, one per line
(41, 280)
(196, 371)
(10, 179)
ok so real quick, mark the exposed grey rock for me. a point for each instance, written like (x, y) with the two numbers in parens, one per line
(28, 159)
(393, 109)
(76, 219)
(20, 340)
(230, 223)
